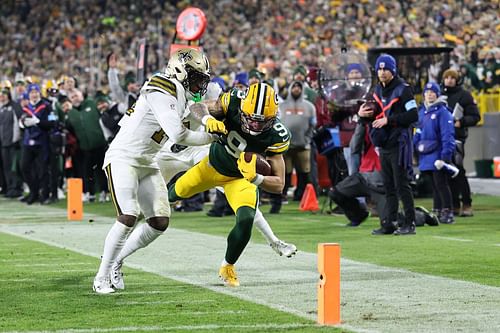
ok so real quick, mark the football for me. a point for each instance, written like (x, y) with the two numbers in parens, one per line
(262, 166)
(374, 106)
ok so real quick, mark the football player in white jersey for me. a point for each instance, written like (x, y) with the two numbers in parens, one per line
(174, 158)
(134, 177)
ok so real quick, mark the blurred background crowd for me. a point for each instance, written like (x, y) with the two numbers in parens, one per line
(50, 39)
(63, 57)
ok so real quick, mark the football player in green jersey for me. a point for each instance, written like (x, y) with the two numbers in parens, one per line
(250, 119)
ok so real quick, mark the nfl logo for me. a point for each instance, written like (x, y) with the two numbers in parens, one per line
(382, 65)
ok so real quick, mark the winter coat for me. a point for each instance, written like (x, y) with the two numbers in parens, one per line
(83, 121)
(434, 138)
(38, 135)
(457, 95)
(10, 133)
(299, 116)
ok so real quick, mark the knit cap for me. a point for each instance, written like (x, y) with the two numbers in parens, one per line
(434, 87)
(387, 62)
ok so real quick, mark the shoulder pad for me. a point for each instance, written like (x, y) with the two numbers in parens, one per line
(224, 99)
(162, 84)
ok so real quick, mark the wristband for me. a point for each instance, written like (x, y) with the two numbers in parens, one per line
(205, 119)
(258, 180)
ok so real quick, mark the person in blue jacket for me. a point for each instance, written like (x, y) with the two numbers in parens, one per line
(434, 141)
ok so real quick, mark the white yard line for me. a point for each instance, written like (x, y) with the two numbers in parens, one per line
(374, 298)
(453, 239)
(60, 263)
(188, 328)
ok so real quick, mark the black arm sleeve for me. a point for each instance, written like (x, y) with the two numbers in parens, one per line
(45, 123)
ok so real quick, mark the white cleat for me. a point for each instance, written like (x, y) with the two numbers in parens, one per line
(102, 286)
(284, 249)
(116, 276)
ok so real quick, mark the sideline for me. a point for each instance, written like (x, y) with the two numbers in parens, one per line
(374, 298)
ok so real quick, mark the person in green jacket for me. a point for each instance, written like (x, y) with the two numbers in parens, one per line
(83, 121)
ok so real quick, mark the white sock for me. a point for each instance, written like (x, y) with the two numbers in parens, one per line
(224, 263)
(265, 229)
(113, 244)
(141, 237)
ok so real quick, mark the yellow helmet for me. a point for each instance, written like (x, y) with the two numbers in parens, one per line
(50, 88)
(258, 108)
(6, 85)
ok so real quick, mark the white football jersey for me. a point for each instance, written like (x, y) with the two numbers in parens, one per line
(151, 122)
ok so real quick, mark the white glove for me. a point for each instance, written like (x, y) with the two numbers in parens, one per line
(30, 121)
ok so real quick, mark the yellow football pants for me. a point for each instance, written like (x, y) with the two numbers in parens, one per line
(201, 177)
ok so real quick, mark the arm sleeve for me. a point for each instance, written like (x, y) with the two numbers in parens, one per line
(116, 92)
(164, 109)
(471, 112)
(409, 113)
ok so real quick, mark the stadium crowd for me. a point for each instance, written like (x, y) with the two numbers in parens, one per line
(50, 39)
(67, 69)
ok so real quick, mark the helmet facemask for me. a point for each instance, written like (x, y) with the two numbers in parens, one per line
(196, 82)
(255, 124)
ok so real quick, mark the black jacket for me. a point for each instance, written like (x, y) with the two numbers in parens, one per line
(401, 114)
(471, 113)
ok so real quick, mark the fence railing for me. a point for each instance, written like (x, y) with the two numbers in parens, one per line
(487, 101)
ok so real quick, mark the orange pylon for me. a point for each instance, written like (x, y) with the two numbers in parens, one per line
(309, 200)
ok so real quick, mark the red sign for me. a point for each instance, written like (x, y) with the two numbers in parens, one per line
(191, 24)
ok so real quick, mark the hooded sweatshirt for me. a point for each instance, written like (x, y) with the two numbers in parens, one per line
(299, 116)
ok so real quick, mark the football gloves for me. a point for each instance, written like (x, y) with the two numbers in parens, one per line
(247, 169)
(215, 126)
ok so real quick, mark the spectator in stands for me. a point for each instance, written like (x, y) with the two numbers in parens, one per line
(83, 121)
(10, 137)
(124, 97)
(434, 141)
(391, 132)
(241, 81)
(255, 76)
(300, 74)
(110, 116)
(34, 164)
(299, 116)
(465, 114)
(19, 90)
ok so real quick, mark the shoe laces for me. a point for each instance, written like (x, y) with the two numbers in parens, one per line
(231, 274)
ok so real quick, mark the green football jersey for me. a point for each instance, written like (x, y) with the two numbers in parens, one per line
(225, 152)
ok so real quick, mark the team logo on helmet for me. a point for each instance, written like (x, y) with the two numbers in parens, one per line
(185, 56)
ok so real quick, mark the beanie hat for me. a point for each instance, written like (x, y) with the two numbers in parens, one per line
(300, 69)
(434, 87)
(220, 82)
(255, 73)
(451, 73)
(100, 98)
(387, 62)
(354, 66)
(129, 78)
(241, 78)
(62, 99)
(33, 86)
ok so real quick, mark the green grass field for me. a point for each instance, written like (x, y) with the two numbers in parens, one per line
(47, 288)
